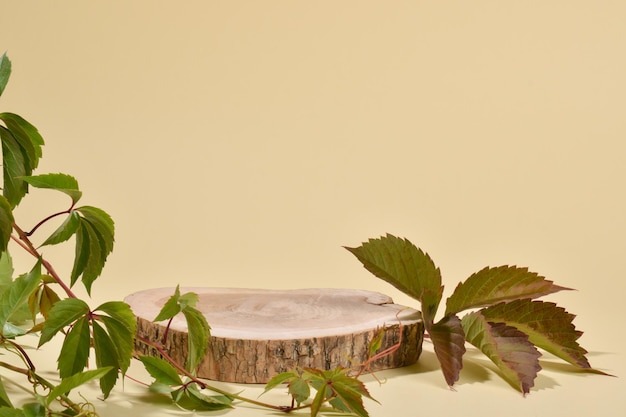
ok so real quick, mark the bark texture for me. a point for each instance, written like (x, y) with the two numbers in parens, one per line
(257, 334)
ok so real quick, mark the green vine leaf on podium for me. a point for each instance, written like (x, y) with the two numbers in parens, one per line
(198, 328)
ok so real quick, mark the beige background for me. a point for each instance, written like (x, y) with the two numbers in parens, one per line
(243, 143)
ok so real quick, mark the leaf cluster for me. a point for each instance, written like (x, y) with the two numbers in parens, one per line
(342, 392)
(108, 331)
(503, 317)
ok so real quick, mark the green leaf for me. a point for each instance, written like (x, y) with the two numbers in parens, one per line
(6, 270)
(5, 71)
(162, 371)
(124, 341)
(4, 398)
(59, 182)
(6, 223)
(21, 151)
(189, 299)
(171, 307)
(83, 249)
(404, 266)
(514, 355)
(21, 313)
(493, 285)
(547, 326)
(94, 243)
(27, 136)
(198, 337)
(281, 378)
(67, 229)
(75, 349)
(299, 389)
(74, 381)
(160, 388)
(192, 399)
(18, 292)
(121, 326)
(14, 167)
(11, 331)
(448, 340)
(63, 313)
(106, 356)
(102, 222)
(322, 395)
(34, 410)
(350, 391)
(11, 412)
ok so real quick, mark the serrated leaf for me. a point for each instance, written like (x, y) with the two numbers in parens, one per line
(490, 286)
(171, 307)
(161, 370)
(124, 341)
(102, 222)
(198, 337)
(507, 347)
(74, 381)
(75, 349)
(299, 389)
(27, 136)
(6, 224)
(106, 356)
(65, 231)
(160, 388)
(350, 401)
(193, 400)
(21, 151)
(13, 168)
(548, 326)
(121, 326)
(322, 395)
(281, 378)
(62, 314)
(81, 256)
(22, 313)
(403, 265)
(189, 299)
(5, 72)
(448, 340)
(59, 182)
(16, 295)
(94, 243)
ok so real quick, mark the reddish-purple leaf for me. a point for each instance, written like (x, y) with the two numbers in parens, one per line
(448, 340)
(491, 286)
(514, 355)
(548, 326)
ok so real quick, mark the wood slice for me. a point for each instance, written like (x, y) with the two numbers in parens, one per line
(257, 334)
